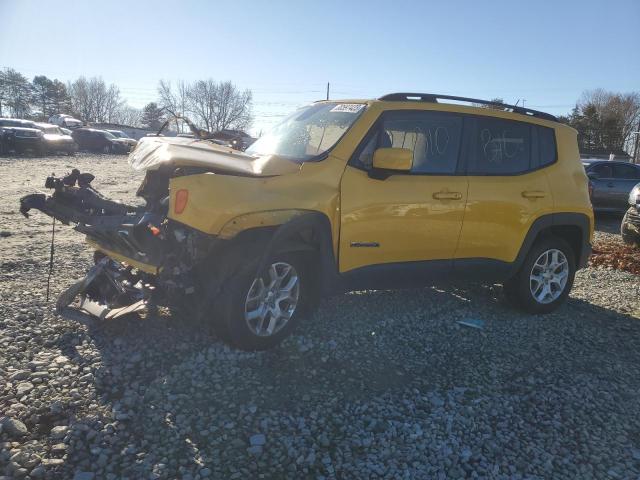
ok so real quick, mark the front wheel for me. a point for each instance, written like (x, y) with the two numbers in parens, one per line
(107, 149)
(259, 310)
(545, 278)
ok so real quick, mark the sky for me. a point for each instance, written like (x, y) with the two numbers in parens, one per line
(543, 52)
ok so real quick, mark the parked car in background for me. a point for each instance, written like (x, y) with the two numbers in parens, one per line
(630, 227)
(95, 140)
(120, 134)
(55, 140)
(610, 184)
(66, 121)
(20, 136)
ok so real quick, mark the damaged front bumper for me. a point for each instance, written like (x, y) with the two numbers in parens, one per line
(141, 259)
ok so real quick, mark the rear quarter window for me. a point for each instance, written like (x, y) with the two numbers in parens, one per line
(546, 145)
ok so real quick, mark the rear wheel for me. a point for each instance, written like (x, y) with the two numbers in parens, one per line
(545, 278)
(259, 310)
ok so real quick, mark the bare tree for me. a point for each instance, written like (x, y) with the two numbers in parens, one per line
(202, 100)
(218, 105)
(233, 108)
(93, 101)
(174, 100)
(130, 116)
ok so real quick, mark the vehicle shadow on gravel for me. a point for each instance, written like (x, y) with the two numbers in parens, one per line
(362, 344)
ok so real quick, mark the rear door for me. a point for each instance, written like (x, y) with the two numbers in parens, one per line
(508, 187)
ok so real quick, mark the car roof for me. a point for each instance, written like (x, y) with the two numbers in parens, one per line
(596, 161)
(463, 105)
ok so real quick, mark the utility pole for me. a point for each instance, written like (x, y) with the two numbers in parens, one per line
(327, 90)
(636, 149)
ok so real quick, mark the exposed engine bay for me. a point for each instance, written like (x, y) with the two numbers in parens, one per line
(159, 255)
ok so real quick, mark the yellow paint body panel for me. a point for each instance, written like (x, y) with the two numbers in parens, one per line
(401, 216)
(217, 200)
(479, 217)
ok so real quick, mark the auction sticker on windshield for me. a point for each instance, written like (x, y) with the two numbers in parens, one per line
(348, 107)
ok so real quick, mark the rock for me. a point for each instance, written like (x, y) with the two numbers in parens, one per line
(255, 450)
(59, 432)
(58, 448)
(14, 427)
(24, 387)
(258, 439)
(38, 472)
(19, 375)
(84, 476)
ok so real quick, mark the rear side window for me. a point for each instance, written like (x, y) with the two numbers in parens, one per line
(546, 145)
(499, 147)
(626, 171)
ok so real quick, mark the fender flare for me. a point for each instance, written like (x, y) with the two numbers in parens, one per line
(320, 225)
(560, 219)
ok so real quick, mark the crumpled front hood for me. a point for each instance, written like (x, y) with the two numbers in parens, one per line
(154, 152)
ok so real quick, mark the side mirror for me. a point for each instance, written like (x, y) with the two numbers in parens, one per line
(593, 175)
(398, 159)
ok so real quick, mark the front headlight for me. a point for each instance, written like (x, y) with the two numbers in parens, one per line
(634, 196)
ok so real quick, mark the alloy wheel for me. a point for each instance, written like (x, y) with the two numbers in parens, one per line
(272, 299)
(549, 275)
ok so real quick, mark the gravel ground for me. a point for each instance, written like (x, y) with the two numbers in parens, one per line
(376, 384)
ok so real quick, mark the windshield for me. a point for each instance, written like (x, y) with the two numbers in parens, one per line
(309, 131)
(116, 133)
(51, 130)
(109, 135)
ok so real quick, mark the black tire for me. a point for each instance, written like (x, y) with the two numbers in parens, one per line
(518, 289)
(629, 237)
(230, 323)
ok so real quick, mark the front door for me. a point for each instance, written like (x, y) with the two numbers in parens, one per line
(406, 217)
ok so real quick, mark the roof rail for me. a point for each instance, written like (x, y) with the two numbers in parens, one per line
(433, 98)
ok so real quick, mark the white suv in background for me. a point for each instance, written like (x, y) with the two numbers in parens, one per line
(66, 121)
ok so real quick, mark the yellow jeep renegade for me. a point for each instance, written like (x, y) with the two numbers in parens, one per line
(405, 190)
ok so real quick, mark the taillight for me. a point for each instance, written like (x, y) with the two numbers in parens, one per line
(182, 197)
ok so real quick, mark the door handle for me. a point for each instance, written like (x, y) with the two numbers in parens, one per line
(533, 194)
(447, 195)
(610, 185)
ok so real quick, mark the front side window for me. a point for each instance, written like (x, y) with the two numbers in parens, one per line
(602, 170)
(309, 132)
(433, 137)
(500, 147)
